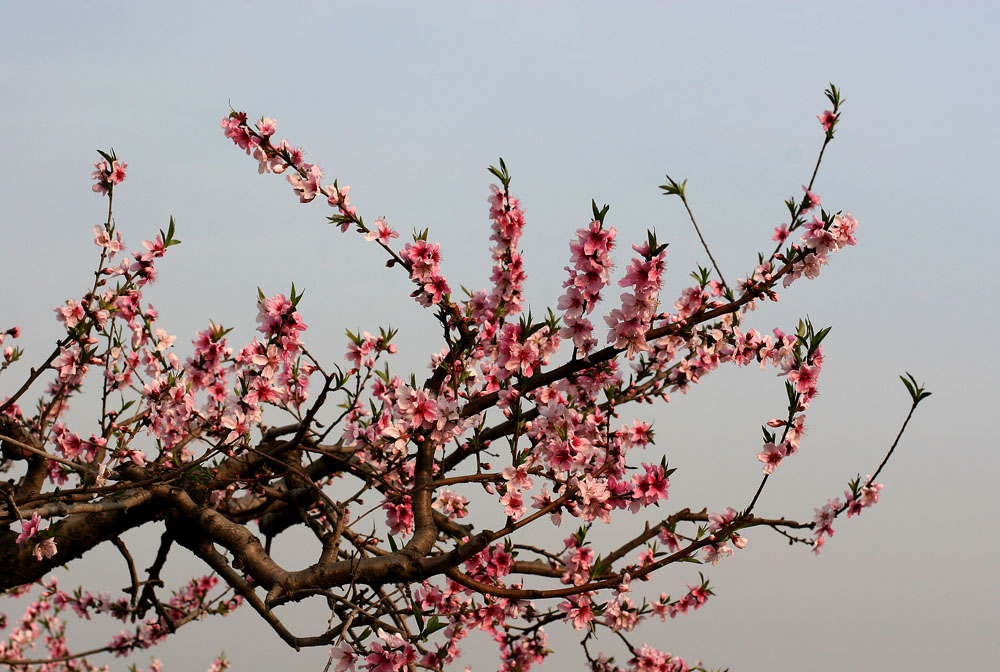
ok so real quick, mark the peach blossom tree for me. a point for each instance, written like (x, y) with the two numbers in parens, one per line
(419, 493)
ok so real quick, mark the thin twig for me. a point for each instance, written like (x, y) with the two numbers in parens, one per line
(702, 239)
(123, 549)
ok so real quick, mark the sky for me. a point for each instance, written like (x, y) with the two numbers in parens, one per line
(410, 103)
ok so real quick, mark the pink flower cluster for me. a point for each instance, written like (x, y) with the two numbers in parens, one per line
(507, 223)
(590, 273)
(648, 659)
(399, 516)
(280, 323)
(773, 453)
(630, 322)
(577, 561)
(424, 260)
(820, 239)
(451, 504)
(108, 173)
(45, 614)
(73, 447)
(718, 548)
(268, 372)
(45, 548)
(490, 564)
(803, 374)
(521, 354)
(305, 178)
(10, 353)
(856, 500)
(692, 600)
(363, 350)
(390, 653)
(650, 487)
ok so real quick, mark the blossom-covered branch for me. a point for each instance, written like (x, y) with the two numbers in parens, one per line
(418, 493)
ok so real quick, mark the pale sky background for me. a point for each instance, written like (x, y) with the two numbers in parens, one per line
(410, 104)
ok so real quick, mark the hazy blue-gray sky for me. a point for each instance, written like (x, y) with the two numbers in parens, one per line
(410, 103)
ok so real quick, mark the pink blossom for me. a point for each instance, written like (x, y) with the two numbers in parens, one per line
(220, 664)
(344, 658)
(811, 200)
(267, 358)
(29, 528)
(517, 477)
(824, 516)
(267, 127)
(578, 610)
(594, 496)
(869, 493)
(867, 496)
(620, 614)
(717, 521)
(451, 504)
(399, 517)
(690, 301)
(827, 119)
(46, 548)
(417, 407)
(163, 340)
(843, 229)
(71, 370)
(337, 196)
(103, 239)
(381, 232)
(71, 313)
(717, 551)
(805, 378)
(669, 539)
(233, 128)
(308, 186)
(540, 501)
(651, 486)
(780, 234)
(626, 334)
(794, 434)
(117, 174)
(513, 502)
(771, 456)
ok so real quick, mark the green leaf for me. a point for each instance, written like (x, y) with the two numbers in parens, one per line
(916, 390)
(501, 174)
(672, 188)
(295, 298)
(599, 213)
(433, 625)
(419, 616)
(598, 567)
(833, 95)
(392, 544)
